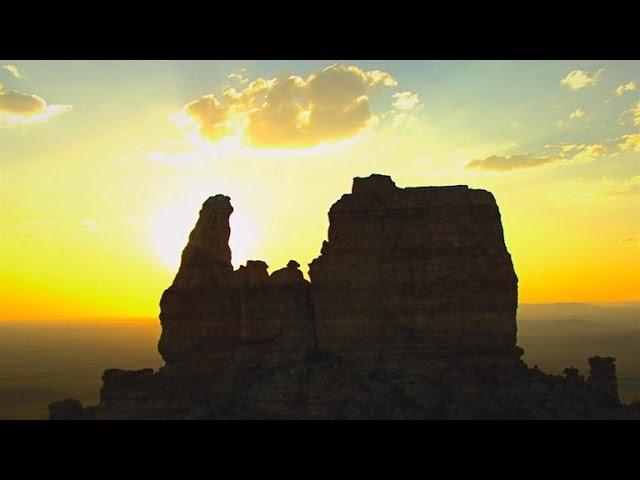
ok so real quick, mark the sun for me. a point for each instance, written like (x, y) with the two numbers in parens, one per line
(169, 232)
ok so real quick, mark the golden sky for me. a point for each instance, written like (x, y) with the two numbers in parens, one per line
(104, 165)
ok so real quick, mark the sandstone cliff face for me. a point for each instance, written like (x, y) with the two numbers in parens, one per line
(420, 269)
(410, 313)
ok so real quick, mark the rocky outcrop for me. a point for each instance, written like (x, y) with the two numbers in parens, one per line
(410, 313)
(602, 378)
(69, 409)
(199, 312)
(417, 269)
(211, 314)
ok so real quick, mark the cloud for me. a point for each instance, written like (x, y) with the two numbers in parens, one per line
(513, 162)
(21, 104)
(291, 111)
(586, 153)
(577, 113)
(403, 120)
(13, 70)
(625, 87)
(405, 100)
(568, 153)
(210, 115)
(577, 79)
(20, 108)
(238, 76)
(632, 113)
(623, 187)
(630, 142)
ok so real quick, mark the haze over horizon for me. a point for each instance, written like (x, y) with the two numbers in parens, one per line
(105, 165)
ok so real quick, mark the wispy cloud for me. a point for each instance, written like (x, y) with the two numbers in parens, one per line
(630, 142)
(577, 113)
(625, 87)
(405, 100)
(566, 153)
(577, 79)
(239, 76)
(512, 162)
(13, 70)
(620, 187)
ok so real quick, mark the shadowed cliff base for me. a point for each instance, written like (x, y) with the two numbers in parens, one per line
(410, 314)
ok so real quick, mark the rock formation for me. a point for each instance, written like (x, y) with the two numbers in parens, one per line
(199, 312)
(410, 313)
(416, 269)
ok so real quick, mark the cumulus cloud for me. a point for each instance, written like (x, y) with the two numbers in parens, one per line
(625, 87)
(577, 113)
(291, 111)
(566, 153)
(13, 70)
(20, 108)
(636, 114)
(210, 115)
(577, 79)
(405, 100)
(630, 142)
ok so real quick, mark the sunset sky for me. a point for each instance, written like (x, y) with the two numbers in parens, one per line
(104, 166)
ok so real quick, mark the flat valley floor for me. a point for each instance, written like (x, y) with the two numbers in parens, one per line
(43, 361)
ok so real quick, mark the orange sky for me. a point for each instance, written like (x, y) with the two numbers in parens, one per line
(104, 165)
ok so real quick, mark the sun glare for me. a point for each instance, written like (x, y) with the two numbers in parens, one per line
(170, 228)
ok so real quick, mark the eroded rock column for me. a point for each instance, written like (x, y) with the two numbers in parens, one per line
(200, 310)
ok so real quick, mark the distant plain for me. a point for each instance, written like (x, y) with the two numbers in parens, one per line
(42, 361)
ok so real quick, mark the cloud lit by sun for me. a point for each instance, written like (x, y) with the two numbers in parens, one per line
(290, 111)
(22, 109)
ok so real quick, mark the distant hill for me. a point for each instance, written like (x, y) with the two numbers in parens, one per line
(579, 318)
(556, 335)
(557, 309)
